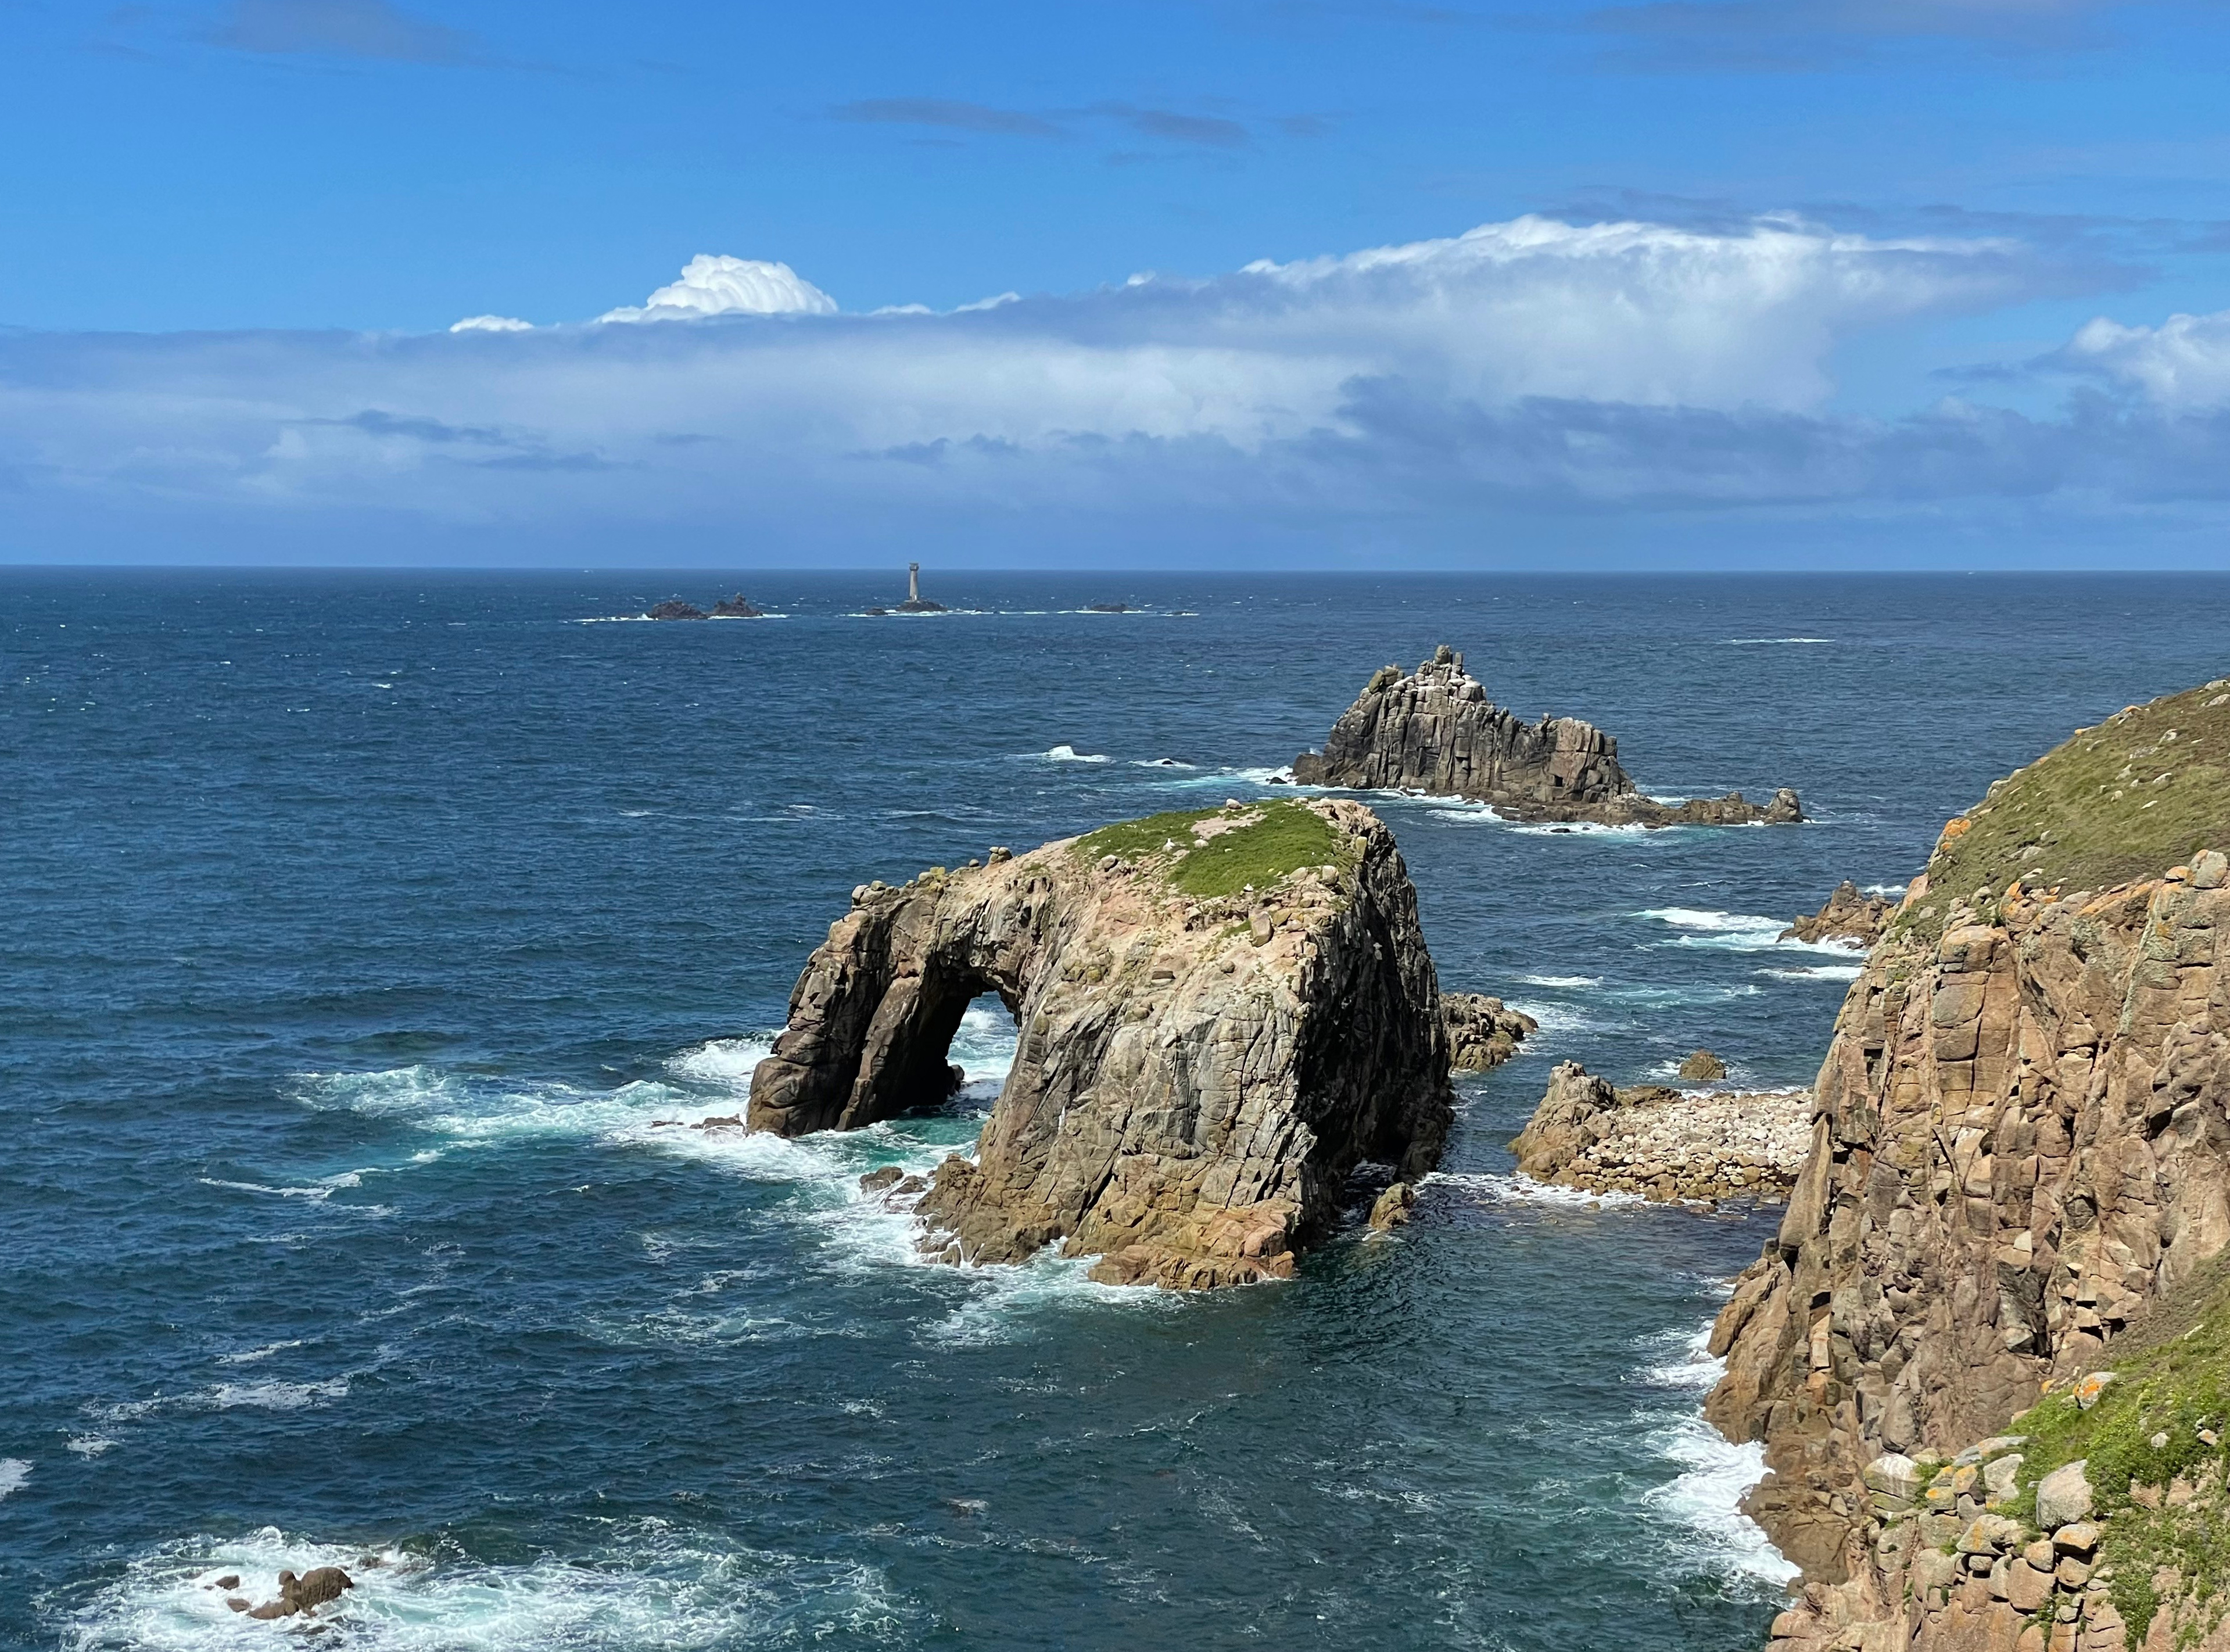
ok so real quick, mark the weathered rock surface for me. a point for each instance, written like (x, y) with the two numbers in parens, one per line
(674, 609)
(737, 607)
(2021, 1148)
(1219, 1016)
(1482, 1033)
(1850, 915)
(1702, 1067)
(1664, 1144)
(303, 1594)
(1436, 731)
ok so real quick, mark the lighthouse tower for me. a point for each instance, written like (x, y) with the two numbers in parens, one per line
(913, 582)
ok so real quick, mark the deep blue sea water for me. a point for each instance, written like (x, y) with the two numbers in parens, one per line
(358, 927)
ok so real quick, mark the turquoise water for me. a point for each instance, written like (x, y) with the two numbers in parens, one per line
(363, 926)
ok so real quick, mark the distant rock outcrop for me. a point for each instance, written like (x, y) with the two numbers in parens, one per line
(1850, 915)
(674, 609)
(1482, 1033)
(738, 607)
(1436, 731)
(1220, 1015)
(2021, 1151)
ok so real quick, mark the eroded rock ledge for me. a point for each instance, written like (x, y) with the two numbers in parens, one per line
(1850, 915)
(1220, 1015)
(2021, 1154)
(1436, 731)
(1664, 1144)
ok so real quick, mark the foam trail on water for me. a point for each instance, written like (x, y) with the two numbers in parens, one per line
(14, 1471)
(1515, 1187)
(1070, 754)
(1739, 932)
(1561, 980)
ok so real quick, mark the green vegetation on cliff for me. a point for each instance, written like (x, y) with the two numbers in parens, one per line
(2144, 790)
(2171, 1384)
(1268, 842)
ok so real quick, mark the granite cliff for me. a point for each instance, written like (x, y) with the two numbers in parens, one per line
(1220, 1016)
(1436, 731)
(2019, 1162)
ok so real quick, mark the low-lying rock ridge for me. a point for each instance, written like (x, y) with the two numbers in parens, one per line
(1850, 915)
(1664, 1144)
(1434, 731)
(2021, 1160)
(1219, 1016)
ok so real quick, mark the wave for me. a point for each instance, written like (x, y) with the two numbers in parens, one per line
(14, 1471)
(313, 1193)
(1819, 972)
(649, 1583)
(1561, 980)
(1160, 762)
(1070, 754)
(1762, 642)
(1739, 932)
(267, 1395)
(1705, 1499)
(1886, 891)
(1515, 1187)
(90, 1445)
(249, 1356)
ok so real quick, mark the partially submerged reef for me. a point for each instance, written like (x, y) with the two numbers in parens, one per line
(1220, 1015)
(1850, 915)
(2018, 1182)
(1662, 1144)
(1435, 731)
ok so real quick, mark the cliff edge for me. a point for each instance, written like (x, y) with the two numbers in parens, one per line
(1220, 1015)
(2020, 1152)
(1435, 731)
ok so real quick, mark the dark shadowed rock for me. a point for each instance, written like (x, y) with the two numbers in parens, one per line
(1219, 1016)
(737, 607)
(1482, 1033)
(674, 609)
(1436, 731)
(1702, 1067)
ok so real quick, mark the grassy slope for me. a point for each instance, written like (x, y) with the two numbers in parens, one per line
(1288, 837)
(2173, 1379)
(2139, 793)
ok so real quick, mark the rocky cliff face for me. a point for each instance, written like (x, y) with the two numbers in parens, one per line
(2021, 1148)
(1849, 915)
(1436, 731)
(1664, 1144)
(1220, 1016)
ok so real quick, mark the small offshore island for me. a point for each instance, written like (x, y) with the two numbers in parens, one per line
(1436, 732)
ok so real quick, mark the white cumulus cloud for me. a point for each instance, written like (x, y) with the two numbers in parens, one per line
(2184, 363)
(491, 324)
(714, 284)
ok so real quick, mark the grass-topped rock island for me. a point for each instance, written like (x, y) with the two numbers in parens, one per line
(1220, 1014)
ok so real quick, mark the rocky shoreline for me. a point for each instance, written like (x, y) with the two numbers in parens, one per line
(1664, 1144)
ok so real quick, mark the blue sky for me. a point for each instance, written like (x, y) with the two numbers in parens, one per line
(1293, 283)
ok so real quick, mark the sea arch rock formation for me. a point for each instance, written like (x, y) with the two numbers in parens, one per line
(1219, 1016)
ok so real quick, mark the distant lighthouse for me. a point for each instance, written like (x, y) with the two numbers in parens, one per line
(915, 602)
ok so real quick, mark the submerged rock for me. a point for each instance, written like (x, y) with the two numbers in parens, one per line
(1850, 915)
(1436, 731)
(1219, 1016)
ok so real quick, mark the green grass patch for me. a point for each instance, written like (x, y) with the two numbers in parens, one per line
(1287, 837)
(2125, 800)
(2172, 1377)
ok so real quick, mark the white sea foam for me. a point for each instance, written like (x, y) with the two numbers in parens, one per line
(1070, 754)
(91, 1445)
(1162, 763)
(1561, 980)
(1632, 832)
(1762, 642)
(1517, 1188)
(1705, 1498)
(649, 1583)
(269, 1395)
(14, 1471)
(1737, 931)
(249, 1356)
(1819, 972)
(1555, 1018)
(1886, 891)
(314, 1193)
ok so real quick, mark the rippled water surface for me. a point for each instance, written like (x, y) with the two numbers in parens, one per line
(362, 930)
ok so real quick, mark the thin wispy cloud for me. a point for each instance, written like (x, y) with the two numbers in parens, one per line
(1800, 35)
(950, 113)
(362, 28)
(1167, 126)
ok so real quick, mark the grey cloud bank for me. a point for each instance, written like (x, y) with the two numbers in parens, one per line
(1530, 391)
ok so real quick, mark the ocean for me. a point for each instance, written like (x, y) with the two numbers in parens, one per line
(362, 928)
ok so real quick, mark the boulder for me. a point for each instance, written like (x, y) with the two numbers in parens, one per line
(2063, 1497)
(1849, 916)
(1435, 731)
(1702, 1067)
(1482, 1033)
(1393, 1207)
(1220, 1015)
(1894, 1474)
